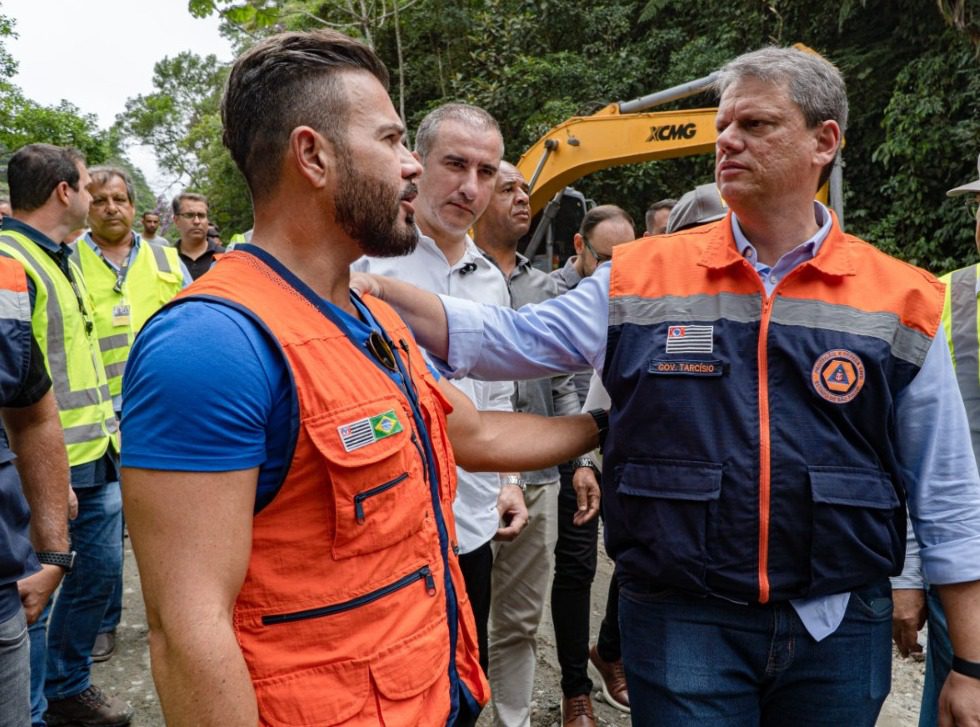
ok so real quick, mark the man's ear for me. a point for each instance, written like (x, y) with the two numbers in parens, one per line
(60, 192)
(828, 139)
(313, 155)
(579, 245)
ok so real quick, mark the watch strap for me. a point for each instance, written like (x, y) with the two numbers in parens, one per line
(63, 560)
(601, 417)
(967, 668)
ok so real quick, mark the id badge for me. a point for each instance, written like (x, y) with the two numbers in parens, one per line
(120, 315)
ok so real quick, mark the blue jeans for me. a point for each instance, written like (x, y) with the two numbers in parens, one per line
(73, 621)
(709, 662)
(939, 660)
(15, 704)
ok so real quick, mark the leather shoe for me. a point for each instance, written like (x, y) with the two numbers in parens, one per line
(91, 708)
(105, 645)
(612, 677)
(577, 711)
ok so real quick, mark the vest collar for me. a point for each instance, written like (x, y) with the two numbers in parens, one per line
(833, 258)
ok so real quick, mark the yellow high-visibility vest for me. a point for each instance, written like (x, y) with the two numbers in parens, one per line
(960, 322)
(123, 304)
(64, 328)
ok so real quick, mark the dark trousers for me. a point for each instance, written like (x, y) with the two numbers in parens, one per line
(575, 564)
(477, 566)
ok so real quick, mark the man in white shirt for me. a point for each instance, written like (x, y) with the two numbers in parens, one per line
(460, 148)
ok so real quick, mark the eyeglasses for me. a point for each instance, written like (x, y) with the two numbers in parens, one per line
(598, 258)
(189, 216)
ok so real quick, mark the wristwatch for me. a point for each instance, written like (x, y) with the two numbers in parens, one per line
(601, 417)
(515, 480)
(64, 560)
(580, 462)
(968, 668)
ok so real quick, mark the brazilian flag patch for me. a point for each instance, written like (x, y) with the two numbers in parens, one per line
(363, 432)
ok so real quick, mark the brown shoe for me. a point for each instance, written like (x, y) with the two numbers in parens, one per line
(105, 645)
(577, 711)
(612, 678)
(91, 708)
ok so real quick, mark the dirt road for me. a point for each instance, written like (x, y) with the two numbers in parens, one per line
(127, 673)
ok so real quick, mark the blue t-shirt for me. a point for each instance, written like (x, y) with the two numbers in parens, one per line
(208, 389)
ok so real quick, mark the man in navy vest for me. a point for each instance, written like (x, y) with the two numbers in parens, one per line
(755, 500)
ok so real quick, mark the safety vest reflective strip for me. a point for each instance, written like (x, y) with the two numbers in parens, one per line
(960, 322)
(153, 278)
(70, 352)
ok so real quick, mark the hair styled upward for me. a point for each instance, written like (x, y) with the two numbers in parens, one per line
(285, 81)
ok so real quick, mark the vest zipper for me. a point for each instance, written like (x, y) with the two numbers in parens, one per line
(422, 574)
(765, 449)
(360, 497)
(765, 442)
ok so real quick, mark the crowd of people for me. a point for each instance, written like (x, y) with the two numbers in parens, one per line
(334, 525)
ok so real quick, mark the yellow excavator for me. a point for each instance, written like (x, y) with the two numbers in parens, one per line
(625, 133)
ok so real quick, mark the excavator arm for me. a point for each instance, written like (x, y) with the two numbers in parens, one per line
(585, 144)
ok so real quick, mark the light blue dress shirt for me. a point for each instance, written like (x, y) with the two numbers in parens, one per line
(568, 333)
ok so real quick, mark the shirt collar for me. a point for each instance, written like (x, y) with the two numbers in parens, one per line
(806, 249)
(472, 254)
(87, 238)
(34, 235)
(831, 253)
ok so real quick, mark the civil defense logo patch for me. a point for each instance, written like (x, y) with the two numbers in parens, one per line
(838, 375)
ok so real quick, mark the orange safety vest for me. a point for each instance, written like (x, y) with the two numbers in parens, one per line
(353, 610)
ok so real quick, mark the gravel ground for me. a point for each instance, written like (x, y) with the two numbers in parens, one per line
(127, 673)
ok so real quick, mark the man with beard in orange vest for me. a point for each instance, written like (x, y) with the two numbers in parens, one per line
(293, 523)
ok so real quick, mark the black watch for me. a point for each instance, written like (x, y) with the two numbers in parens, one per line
(601, 417)
(967, 668)
(64, 560)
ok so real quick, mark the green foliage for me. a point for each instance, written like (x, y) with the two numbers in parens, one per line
(181, 122)
(24, 121)
(911, 69)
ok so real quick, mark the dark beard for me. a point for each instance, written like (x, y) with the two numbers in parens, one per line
(368, 211)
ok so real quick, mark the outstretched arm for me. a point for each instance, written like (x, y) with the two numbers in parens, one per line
(422, 310)
(490, 441)
(192, 535)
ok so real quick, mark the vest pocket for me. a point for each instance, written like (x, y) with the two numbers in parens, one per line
(317, 697)
(410, 678)
(855, 537)
(667, 506)
(375, 476)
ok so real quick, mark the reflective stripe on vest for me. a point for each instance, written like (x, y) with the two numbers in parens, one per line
(152, 279)
(747, 454)
(70, 352)
(960, 322)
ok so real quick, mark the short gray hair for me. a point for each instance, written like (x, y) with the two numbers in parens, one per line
(814, 84)
(101, 176)
(428, 131)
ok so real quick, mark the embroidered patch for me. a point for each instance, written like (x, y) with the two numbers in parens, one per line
(690, 339)
(685, 367)
(838, 376)
(369, 430)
